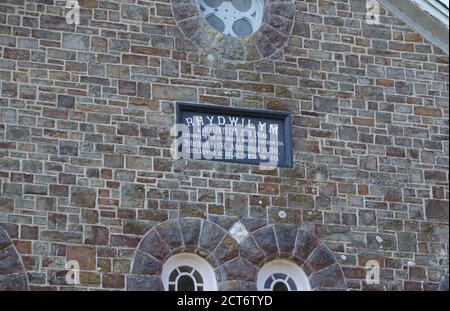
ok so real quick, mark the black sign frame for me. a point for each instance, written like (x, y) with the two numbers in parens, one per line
(285, 117)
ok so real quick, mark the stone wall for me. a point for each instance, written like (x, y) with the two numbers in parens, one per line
(85, 165)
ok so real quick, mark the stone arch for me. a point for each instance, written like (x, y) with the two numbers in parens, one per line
(192, 235)
(13, 276)
(282, 241)
(236, 265)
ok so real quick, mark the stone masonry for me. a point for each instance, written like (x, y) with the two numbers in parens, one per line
(85, 166)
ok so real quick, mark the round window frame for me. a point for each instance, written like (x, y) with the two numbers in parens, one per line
(194, 261)
(288, 268)
(256, 6)
(276, 28)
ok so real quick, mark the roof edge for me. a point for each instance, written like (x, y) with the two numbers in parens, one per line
(427, 17)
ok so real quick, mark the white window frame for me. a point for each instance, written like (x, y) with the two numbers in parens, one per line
(285, 267)
(228, 14)
(193, 261)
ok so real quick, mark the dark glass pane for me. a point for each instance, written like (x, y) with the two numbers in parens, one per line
(186, 284)
(185, 269)
(200, 288)
(268, 283)
(242, 5)
(292, 284)
(213, 3)
(242, 27)
(198, 277)
(279, 276)
(171, 288)
(280, 287)
(216, 23)
(173, 276)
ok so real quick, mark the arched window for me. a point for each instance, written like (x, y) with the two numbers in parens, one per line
(188, 272)
(282, 275)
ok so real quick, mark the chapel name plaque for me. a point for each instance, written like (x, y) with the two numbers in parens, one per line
(248, 136)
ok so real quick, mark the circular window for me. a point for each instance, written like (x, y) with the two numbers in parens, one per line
(188, 273)
(236, 18)
(236, 30)
(281, 275)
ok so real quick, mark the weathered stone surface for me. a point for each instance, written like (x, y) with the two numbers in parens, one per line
(197, 210)
(14, 282)
(239, 270)
(85, 255)
(369, 93)
(8, 115)
(58, 236)
(46, 204)
(211, 236)
(83, 197)
(69, 148)
(305, 244)
(266, 240)
(139, 163)
(437, 210)
(226, 250)
(251, 252)
(358, 6)
(124, 241)
(367, 218)
(381, 242)
(55, 23)
(404, 88)
(166, 92)
(286, 238)
(309, 64)
(9, 261)
(85, 118)
(153, 245)
(326, 104)
(9, 89)
(329, 278)
(134, 12)
(301, 201)
(376, 31)
(369, 163)
(10, 164)
(319, 259)
(132, 195)
(170, 233)
(114, 160)
(96, 235)
(338, 233)
(190, 228)
(407, 242)
(144, 283)
(116, 281)
(127, 88)
(348, 133)
(4, 239)
(145, 265)
(18, 133)
(136, 227)
(236, 205)
(76, 42)
(239, 232)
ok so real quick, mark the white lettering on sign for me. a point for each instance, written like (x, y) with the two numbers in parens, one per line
(226, 138)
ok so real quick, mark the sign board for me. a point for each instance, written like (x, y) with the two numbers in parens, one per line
(235, 135)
